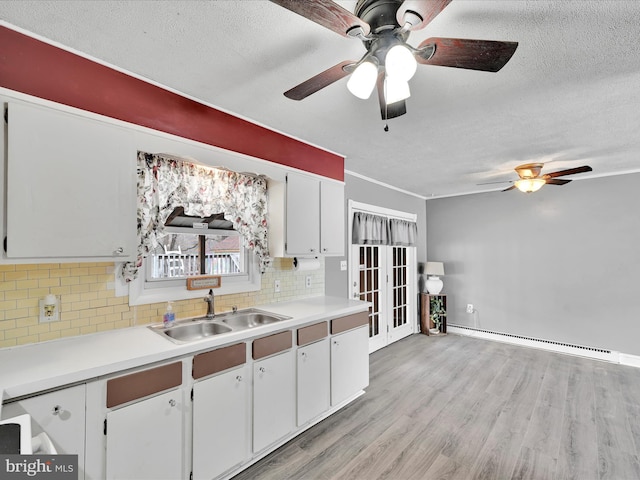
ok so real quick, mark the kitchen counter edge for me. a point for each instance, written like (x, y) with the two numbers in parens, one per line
(33, 368)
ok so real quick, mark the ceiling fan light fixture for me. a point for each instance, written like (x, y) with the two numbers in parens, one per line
(395, 89)
(529, 185)
(400, 62)
(363, 80)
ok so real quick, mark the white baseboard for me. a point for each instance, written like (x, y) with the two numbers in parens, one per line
(630, 360)
(559, 347)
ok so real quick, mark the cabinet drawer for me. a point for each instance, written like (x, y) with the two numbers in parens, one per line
(141, 384)
(265, 346)
(312, 333)
(349, 322)
(218, 360)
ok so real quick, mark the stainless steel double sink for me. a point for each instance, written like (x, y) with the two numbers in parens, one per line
(193, 329)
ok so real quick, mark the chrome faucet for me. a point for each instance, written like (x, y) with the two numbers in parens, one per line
(211, 309)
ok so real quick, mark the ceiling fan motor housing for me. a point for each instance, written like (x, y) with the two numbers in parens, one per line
(379, 14)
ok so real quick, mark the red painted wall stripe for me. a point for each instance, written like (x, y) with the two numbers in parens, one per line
(37, 68)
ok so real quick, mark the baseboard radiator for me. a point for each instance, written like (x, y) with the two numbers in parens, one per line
(560, 347)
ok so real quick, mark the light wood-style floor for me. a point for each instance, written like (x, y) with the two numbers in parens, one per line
(455, 407)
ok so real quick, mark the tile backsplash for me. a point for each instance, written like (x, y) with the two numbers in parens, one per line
(88, 303)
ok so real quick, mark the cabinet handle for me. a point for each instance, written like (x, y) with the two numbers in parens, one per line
(172, 402)
(262, 370)
(239, 378)
(57, 409)
(119, 251)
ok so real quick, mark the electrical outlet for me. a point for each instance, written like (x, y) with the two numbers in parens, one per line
(276, 286)
(469, 307)
(307, 281)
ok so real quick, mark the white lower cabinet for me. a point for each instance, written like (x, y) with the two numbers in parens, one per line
(144, 439)
(349, 364)
(61, 415)
(220, 423)
(273, 399)
(313, 382)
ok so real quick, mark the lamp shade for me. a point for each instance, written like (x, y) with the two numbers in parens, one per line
(434, 268)
(395, 89)
(363, 80)
(400, 62)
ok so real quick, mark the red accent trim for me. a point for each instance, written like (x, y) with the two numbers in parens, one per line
(37, 68)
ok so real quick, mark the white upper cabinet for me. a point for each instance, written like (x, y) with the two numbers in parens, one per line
(303, 215)
(307, 217)
(332, 218)
(71, 186)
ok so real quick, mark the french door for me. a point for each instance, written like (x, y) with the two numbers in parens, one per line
(385, 276)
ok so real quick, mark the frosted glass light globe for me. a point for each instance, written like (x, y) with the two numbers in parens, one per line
(395, 89)
(363, 80)
(400, 63)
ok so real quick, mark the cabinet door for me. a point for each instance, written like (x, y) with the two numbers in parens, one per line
(313, 380)
(220, 423)
(332, 218)
(144, 439)
(303, 215)
(61, 415)
(72, 180)
(349, 364)
(273, 399)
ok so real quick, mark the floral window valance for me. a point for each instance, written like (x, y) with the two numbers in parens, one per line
(369, 229)
(165, 183)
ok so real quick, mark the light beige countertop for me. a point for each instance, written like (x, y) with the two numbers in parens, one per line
(28, 369)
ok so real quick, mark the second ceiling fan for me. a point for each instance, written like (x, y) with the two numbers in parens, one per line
(384, 27)
(532, 180)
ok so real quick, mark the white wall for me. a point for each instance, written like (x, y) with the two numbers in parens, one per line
(561, 264)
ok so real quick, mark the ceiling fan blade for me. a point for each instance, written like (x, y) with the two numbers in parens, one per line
(427, 9)
(391, 110)
(484, 55)
(557, 181)
(569, 171)
(319, 81)
(509, 188)
(326, 13)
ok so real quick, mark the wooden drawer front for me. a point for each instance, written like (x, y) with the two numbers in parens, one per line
(312, 333)
(343, 324)
(265, 346)
(137, 385)
(218, 360)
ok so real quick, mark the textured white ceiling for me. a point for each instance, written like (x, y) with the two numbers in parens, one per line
(569, 96)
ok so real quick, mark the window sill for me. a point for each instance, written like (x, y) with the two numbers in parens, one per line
(139, 294)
